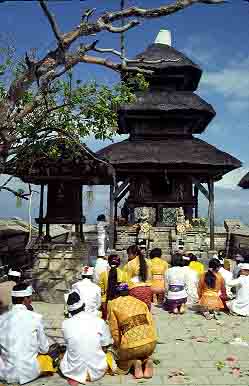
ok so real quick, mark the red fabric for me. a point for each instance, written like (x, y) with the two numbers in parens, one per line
(142, 293)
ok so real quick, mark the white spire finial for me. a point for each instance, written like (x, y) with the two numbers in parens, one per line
(164, 37)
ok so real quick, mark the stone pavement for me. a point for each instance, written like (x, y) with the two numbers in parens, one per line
(190, 350)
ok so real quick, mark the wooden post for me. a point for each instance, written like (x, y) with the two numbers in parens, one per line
(112, 222)
(41, 210)
(157, 214)
(211, 212)
(47, 230)
(81, 216)
(196, 191)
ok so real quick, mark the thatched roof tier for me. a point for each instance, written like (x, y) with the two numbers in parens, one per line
(173, 153)
(59, 160)
(175, 71)
(244, 182)
(174, 104)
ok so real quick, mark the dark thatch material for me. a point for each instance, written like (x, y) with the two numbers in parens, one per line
(178, 64)
(165, 103)
(244, 182)
(72, 162)
(171, 152)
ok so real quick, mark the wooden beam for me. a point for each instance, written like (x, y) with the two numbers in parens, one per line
(211, 212)
(124, 192)
(120, 188)
(202, 189)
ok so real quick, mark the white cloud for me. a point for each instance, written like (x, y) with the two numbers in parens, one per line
(232, 82)
(231, 180)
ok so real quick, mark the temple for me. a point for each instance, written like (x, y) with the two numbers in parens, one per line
(163, 165)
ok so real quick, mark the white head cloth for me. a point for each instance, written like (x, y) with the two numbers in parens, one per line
(244, 266)
(87, 271)
(23, 293)
(14, 273)
(75, 306)
(185, 258)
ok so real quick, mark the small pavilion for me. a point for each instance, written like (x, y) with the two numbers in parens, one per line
(64, 167)
(163, 163)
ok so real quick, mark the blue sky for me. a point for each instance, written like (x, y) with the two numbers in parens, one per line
(216, 37)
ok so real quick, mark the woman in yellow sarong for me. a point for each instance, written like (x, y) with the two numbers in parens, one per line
(138, 271)
(133, 332)
(211, 290)
(108, 281)
(158, 269)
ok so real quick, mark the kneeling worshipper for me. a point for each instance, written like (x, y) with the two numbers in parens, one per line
(109, 280)
(195, 264)
(240, 305)
(192, 281)
(86, 337)
(138, 271)
(23, 341)
(88, 291)
(176, 284)
(211, 290)
(133, 332)
(101, 265)
(14, 276)
(227, 276)
(158, 270)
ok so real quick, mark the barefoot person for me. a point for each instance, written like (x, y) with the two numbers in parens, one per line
(88, 291)
(240, 305)
(158, 270)
(85, 336)
(109, 280)
(176, 284)
(211, 290)
(14, 277)
(138, 271)
(133, 332)
(22, 340)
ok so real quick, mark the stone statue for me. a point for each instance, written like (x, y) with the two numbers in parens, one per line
(102, 237)
(146, 233)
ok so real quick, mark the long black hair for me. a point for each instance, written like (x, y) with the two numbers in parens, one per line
(114, 262)
(134, 250)
(210, 277)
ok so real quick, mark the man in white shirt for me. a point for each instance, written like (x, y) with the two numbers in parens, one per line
(6, 287)
(100, 266)
(227, 276)
(85, 336)
(22, 338)
(192, 280)
(89, 292)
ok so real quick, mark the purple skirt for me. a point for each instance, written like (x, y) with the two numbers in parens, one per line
(171, 304)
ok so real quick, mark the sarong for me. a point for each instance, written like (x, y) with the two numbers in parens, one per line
(171, 304)
(142, 293)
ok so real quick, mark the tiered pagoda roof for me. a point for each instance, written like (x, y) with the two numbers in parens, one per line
(163, 120)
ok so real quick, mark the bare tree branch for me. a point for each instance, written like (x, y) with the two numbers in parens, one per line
(52, 21)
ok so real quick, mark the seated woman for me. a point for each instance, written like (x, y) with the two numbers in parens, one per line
(138, 271)
(133, 332)
(211, 290)
(108, 281)
(175, 278)
(240, 305)
(195, 264)
(158, 269)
